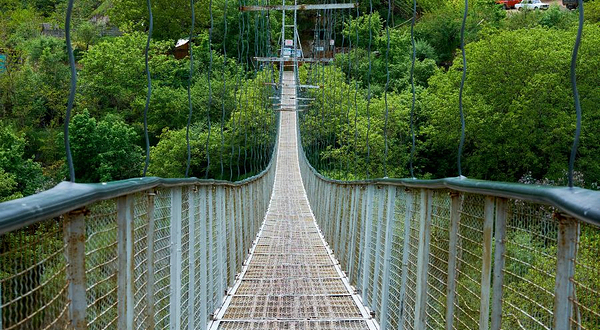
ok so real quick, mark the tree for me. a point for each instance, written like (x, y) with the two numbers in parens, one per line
(104, 150)
(19, 175)
(518, 107)
(86, 34)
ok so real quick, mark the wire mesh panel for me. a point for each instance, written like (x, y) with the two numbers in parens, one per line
(396, 265)
(587, 280)
(438, 260)
(162, 258)
(102, 265)
(140, 266)
(529, 273)
(185, 257)
(33, 291)
(468, 269)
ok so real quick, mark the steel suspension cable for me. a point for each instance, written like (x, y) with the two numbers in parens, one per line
(462, 85)
(369, 87)
(245, 19)
(235, 125)
(349, 96)
(149, 93)
(387, 85)
(243, 88)
(224, 86)
(331, 76)
(209, 88)
(412, 87)
(71, 91)
(323, 144)
(356, 95)
(189, 92)
(576, 94)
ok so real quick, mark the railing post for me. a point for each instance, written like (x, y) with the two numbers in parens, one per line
(568, 236)
(150, 262)
(251, 213)
(204, 283)
(499, 261)
(210, 251)
(222, 234)
(352, 225)
(192, 257)
(423, 260)
(405, 253)
(347, 226)
(240, 225)
(378, 256)
(232, 235)
(341, 200)
(486, 263)
(175, 283)
(332, 233)
(367, 246)
(74, 238)
(387, 255)
(125, 274)
(452, 254)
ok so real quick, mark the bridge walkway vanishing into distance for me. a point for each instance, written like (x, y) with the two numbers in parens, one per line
(291, 280)
(152, 253)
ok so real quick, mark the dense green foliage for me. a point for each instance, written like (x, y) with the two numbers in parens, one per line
(518, 101)
(517, 90)
(518, 108)
(107, 135)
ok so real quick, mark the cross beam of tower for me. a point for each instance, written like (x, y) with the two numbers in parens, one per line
(300, 7)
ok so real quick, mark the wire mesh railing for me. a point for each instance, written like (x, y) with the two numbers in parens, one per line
(464, 254)
(159, 254)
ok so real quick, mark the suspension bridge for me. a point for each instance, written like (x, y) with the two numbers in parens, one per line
(292, 249)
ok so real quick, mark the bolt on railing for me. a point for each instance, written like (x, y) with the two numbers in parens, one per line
(464, 254)
(160, 257)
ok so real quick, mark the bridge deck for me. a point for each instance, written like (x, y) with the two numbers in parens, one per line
(291, 279)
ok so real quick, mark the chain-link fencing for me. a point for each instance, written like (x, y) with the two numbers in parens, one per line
(432, 255)
(157, 258)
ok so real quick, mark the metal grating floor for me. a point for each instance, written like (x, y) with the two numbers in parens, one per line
(291, 279)
(295, 325)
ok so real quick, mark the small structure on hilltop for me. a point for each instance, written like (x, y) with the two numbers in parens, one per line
(52, 30)
(182, 49)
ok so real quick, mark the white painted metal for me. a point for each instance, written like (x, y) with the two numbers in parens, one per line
(455, 201)
(203, 260)
(232, 234)
(210, 252)
(149, 312)
(175, 260)
(568, 237)
(390, 228)
(74, 239)
(405, 253)
(379, 236)
(423, 260)
(366, 274)
(499, 261)
(486, 263)
(125, 274)
(192, 258)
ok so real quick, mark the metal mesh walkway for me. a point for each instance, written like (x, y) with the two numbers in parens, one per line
(291, 279)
